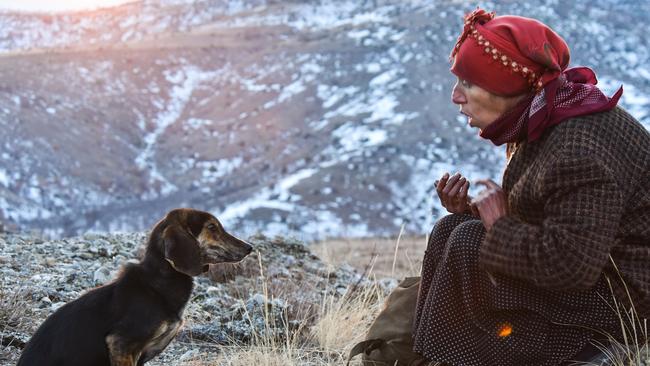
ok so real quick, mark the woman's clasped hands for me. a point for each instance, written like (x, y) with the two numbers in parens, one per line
(490, 204)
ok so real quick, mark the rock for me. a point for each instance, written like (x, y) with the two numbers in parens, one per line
(189, 355)
(13, 340)
(258, 316)
(50, 262)
(101, 276)
(203, 332)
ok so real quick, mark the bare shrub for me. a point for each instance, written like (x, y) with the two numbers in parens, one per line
(342, 321)
(13, 313)
(633, 349)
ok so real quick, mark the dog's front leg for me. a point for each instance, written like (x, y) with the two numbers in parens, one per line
(121, 352)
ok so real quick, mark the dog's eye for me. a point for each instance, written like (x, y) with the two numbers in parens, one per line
(212, 227)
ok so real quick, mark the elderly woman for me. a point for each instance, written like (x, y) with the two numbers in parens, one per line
(528, 273)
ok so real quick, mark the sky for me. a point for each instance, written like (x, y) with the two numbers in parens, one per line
(57, 5)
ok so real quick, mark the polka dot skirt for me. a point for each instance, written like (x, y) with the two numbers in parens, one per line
(465, 316)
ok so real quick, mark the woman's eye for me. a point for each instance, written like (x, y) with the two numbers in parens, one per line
(212, 227)
(465, 83)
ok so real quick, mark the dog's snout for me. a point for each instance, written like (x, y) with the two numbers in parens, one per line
(241, 247)
(247, 248)
(228, 249)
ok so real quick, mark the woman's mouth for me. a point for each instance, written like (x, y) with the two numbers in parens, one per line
(469, 118)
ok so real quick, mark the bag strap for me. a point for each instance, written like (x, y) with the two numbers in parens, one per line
(366, 347)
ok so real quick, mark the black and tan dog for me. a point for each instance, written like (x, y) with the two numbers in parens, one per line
(132, 319)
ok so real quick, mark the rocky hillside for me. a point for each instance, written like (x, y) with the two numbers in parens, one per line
(276, 290)
(307, 118)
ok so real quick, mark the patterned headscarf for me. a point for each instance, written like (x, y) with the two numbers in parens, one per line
(511, 55)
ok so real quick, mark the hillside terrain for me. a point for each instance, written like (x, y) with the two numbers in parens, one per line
(312, 119)
(277, 293)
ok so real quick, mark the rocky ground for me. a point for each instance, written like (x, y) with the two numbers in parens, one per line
(227, 307)
(277, 296)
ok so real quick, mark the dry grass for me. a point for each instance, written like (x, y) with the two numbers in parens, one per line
(337, 328)
(13, 315)
(384, 256)
(633, 349)
(340, 322)
(13, 308)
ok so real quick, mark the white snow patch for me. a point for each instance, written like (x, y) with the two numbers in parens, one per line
(358, 34)
(281, 192)
(213, 170)
(636, 102)
(4, 179)
(373, 68)
(184, 81)
(383, 78)
(290, 90)
(354, 137)
(334, 15)
(251, 85)
(326, 224)
(197, 123)
(288, 182)
(384, 109)
(332, 94)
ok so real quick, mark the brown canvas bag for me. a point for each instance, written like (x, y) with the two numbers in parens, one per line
(389, 339)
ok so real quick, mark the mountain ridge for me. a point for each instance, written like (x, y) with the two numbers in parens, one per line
(308, 119)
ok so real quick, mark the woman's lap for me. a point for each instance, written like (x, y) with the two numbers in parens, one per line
(465, 316)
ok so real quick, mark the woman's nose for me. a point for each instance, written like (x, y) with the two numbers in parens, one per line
(457, 95)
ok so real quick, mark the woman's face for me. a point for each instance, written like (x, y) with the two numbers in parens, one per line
(479, 105)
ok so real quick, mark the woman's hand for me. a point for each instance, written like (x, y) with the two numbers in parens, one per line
(491, 204)
(453, 193)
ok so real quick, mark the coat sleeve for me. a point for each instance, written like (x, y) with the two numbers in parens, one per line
(569, 250)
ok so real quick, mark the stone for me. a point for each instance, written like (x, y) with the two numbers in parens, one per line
(101, 276)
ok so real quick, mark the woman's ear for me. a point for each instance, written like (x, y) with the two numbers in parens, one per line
(182, 251)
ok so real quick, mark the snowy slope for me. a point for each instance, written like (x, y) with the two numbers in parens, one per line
(310, 119)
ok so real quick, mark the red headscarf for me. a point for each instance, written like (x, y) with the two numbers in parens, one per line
(512, 55)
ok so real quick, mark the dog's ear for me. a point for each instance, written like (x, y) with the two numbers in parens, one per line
(182, 251)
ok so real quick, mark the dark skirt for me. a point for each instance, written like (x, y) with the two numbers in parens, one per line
(466, 316)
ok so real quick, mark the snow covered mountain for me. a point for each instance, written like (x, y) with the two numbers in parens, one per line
(305, 118)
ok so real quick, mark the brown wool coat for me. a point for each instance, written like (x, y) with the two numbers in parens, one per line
(576, 196)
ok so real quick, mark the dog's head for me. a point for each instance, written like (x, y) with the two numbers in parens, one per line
(192, 239)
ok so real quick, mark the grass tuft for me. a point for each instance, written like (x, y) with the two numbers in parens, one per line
(13, 315)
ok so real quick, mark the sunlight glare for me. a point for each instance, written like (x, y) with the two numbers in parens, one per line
(57, 6)
(505, 330)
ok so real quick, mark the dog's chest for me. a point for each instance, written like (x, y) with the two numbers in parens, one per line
(161, 338)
